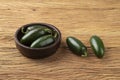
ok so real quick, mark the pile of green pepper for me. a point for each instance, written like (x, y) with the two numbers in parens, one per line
(77, 47)
(38, 36)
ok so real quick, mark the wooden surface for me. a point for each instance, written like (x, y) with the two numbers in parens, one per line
(78, 18)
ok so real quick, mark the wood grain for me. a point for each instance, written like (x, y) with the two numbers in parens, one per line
(79, 18)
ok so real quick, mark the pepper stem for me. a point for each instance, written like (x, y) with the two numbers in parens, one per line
(22, 30)
(48, 30)
(55, 35)
(85, 54)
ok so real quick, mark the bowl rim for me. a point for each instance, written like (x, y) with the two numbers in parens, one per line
(45, 24)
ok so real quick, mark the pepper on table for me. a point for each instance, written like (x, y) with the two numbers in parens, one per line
(97, 46)
(76, 46)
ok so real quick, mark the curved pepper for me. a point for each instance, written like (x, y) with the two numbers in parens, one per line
(43, 41)
(32, 35)
(76, 46)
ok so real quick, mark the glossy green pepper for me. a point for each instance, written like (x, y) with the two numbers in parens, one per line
(76, 46)
(97, 46)
(34, 27)
(32, 35)
(43, 41)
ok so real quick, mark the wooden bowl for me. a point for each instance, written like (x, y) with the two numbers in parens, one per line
(37, 53)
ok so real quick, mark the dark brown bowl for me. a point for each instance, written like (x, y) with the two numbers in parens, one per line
(37, 53)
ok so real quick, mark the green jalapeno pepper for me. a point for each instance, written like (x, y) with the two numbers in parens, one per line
(34, 27)
(43, 41)
(97, 46)
(76, 46)
(32, 35)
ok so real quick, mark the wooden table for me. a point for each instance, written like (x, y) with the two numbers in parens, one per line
(78, 18)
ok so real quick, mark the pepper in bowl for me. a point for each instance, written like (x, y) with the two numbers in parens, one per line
(37, 40)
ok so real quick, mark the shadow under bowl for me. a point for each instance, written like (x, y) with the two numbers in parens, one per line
(37, 53)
